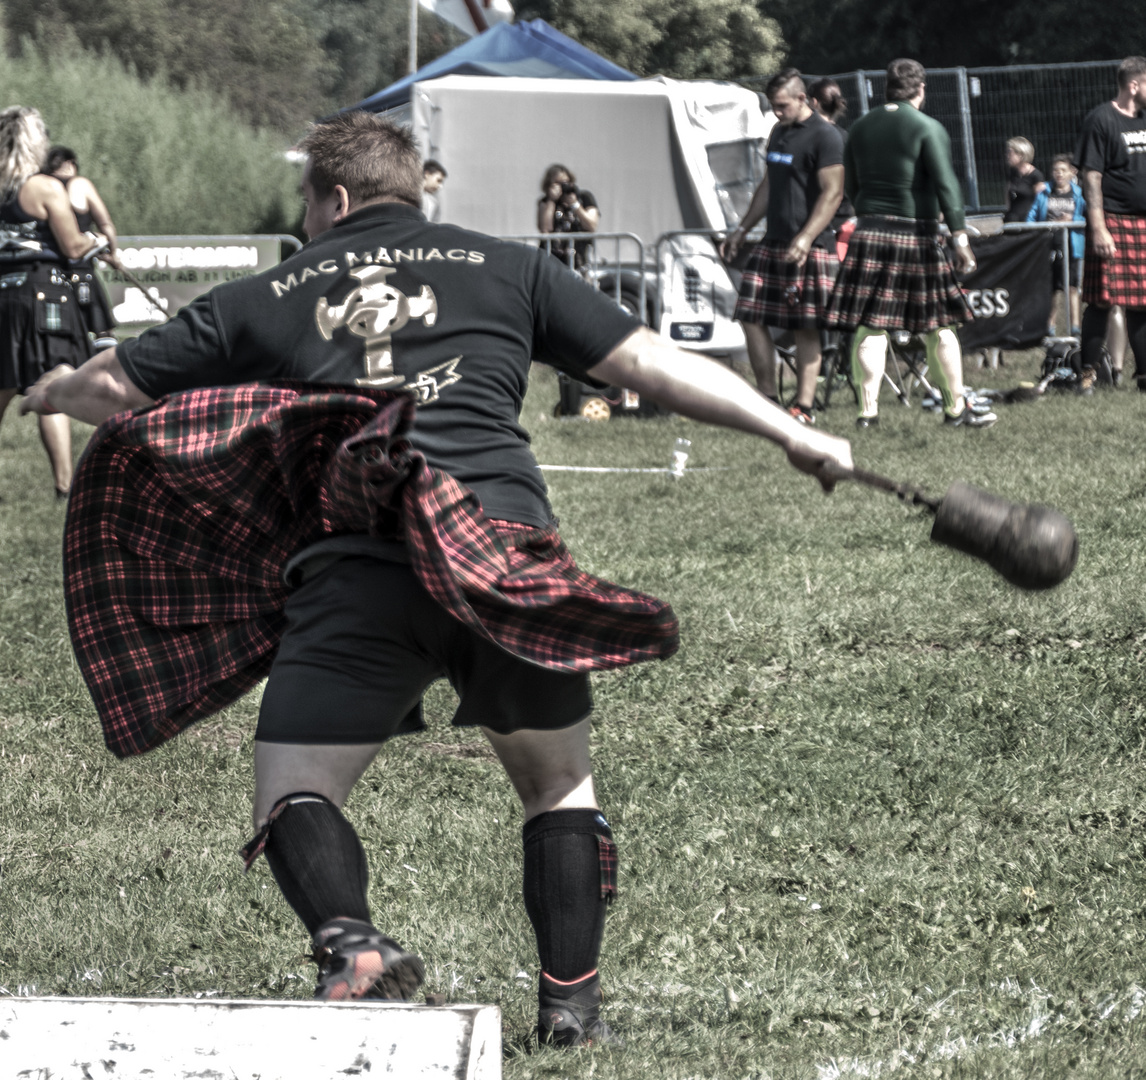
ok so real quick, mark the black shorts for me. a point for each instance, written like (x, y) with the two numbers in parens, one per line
(1056, 271)
(363, 642)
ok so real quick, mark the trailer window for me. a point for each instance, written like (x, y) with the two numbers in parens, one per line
(738, 168)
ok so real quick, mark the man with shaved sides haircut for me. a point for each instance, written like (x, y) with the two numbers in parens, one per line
(789, 275)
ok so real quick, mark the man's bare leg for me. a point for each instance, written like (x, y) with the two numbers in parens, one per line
(808, 358)
(1117, 340)
(762, 357)
(56, 435)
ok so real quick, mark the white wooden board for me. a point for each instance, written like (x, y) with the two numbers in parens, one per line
(182, 1039)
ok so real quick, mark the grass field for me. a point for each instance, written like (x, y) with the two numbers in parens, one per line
(882, 814)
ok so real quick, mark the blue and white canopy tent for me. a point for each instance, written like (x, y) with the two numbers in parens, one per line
(526, 49)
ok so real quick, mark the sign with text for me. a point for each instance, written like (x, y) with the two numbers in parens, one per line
(175, 269)
(1009, 291)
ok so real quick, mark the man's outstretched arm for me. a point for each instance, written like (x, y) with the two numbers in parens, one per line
(706, 390)
(92, 392)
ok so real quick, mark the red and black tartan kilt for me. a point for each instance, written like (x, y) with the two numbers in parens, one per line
(1121, 279)
(897, 276)
(774, 292)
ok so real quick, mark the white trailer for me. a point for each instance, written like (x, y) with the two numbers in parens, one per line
(660, 156)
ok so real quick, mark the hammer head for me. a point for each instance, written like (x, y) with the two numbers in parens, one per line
(1033, 547)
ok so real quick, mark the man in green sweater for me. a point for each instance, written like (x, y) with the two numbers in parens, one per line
(898, 273)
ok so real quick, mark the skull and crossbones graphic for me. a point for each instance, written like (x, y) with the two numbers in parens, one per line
(376, 310)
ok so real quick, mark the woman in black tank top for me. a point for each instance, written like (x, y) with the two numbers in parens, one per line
(40, 324)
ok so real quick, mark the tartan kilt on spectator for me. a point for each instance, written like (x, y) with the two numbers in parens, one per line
(897, 276)
(1121, 279)
(764, 288)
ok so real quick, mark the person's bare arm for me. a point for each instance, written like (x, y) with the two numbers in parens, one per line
(589, 216)
(44, 197)
(99, 212)
(545, 211)
(703, 389)
(92, 392)
(757, 208)
(1101, 239)
(831, 180)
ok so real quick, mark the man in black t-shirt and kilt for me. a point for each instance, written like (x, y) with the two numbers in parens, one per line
(789, 275)
(1112, 160)
(262, 500)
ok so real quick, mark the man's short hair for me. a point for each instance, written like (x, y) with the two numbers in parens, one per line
(789, 79)
(1132, 68)
(430, 165)
(1066, 159)
(904, 78)
(369, 156)
(1023, 147)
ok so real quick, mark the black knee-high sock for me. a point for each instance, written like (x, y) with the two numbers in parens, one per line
(570, 879)
(1136, 332)
(1094, 335)
(318, 861)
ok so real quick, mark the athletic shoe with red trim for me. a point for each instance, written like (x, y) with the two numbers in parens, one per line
(356, 961)
(569, 1014)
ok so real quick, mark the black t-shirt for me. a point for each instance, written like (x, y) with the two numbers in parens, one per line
(1021, 193)
(796, 153)
(1115, 145)
(386, 299)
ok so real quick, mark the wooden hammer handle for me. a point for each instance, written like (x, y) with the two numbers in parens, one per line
(909, 494)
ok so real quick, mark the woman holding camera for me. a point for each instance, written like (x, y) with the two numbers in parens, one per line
(565, 208)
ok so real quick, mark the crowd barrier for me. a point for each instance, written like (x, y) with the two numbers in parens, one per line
(614, 262)
(983, 107)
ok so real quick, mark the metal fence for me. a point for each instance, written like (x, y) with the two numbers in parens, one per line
(983, 107)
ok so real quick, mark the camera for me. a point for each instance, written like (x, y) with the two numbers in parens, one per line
(568, 189)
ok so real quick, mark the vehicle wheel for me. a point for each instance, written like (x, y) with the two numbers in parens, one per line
(595, 408)
(631, 303)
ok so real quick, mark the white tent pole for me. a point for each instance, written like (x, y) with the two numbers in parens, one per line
(412, 62)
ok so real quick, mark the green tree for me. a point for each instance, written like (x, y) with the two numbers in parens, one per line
(263, 55)
(165, 161)
(686, 39)
(841, 35)
(367, 42)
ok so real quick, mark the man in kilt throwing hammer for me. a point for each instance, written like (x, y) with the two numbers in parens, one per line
(1112, 158)
(897, 274)
(789, 275)
(269, 432)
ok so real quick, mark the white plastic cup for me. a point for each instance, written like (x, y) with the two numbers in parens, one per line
(679, 456)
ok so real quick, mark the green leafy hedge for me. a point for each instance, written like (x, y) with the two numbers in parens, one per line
(165, 161)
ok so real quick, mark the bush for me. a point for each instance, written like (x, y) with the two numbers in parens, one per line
(165, 161)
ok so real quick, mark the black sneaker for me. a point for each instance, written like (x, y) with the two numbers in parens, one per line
(970, 418)
(798, 412)
(356, 961)
(867, 421)
(569, 1016)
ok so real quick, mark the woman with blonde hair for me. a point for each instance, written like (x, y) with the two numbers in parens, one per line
(40, 323)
